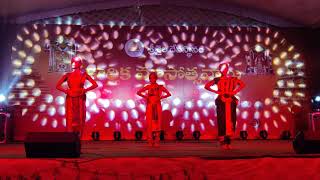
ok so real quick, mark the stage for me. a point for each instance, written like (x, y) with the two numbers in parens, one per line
(112, 72)
(169, 149)
(263, 159)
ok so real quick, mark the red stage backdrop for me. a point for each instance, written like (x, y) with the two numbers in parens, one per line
(185, 58)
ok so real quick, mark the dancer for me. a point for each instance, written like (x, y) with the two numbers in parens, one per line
(153, 93)
(226, 103)
(76, 96)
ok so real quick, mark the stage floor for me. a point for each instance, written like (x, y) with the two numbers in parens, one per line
(252, 159)
(173, 149)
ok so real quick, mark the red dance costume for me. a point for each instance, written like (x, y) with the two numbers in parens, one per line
(76, 97)
(226, 103)
(153, 95)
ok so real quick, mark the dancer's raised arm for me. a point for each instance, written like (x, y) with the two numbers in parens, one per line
(60, 82)
(142, 90)
(168, 94)
(93, 83)
(240, 86)
(208, 86)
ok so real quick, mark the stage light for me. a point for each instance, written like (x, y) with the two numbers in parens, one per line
(176, 101)
(17, 63)
(245, 104)
(266, 114)
(95, 135)
(263, 134)
(174, 112)
(280, 71)
(315, 103)
(36, 92)
(125, 116)
(196, 116)
(276, 61)
(138, 135)
(256, 115)
(22, 54)
(2, 98)
(179, 135)
(202, 126)
(283, 55)
(258, 105)
(54, 123)
(112, 115)
(205, 112)
(134, 114)
(298, 143)
(51, 111)
(244, 114)
(44, 121)
(196, 135)
(299, 64)
(189, 104)
(117, 135)
(243, 135)
(130, 104)
(285, 135)
(258, 48)
(118, 103)
(36, 48)
(186, 115)
(162, 134)
(280, 83)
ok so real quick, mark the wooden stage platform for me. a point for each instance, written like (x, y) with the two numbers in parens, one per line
(170, 149)
(199, 160)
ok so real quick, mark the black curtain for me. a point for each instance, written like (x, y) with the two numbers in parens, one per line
(7, 34)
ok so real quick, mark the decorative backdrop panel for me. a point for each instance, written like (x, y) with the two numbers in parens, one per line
(185, 58)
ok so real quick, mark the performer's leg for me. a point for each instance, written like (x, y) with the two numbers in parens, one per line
(149, 125)
(234, 115)
(233, 118)
(76, 129)
(220, 110)
(157, 124)
(82, 117)
(156, 138)
(68, 107)
(150, 136)
(221, 117)
(227, 140)
(221, 141)
(69, 125)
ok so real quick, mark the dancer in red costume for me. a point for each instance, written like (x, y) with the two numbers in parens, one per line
(226, 103)
(153, 93)
(76, 96)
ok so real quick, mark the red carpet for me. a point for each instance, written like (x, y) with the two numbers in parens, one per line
(271, 159)
(161, 168)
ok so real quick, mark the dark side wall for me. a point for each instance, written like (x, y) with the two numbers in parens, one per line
(7, 36)
(312, 43)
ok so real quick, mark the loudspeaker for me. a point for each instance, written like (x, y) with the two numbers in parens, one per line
(314, 118)
(5, 128)
(52, 144)
(306, 143)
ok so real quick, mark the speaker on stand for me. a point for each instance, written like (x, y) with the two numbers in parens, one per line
(6, 123)
(308, 142)
(4, 117)
(52, 144)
